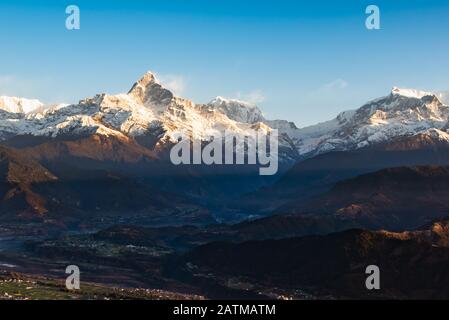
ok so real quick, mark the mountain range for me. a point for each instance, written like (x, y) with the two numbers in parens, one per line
(150, 114)
(79, 156)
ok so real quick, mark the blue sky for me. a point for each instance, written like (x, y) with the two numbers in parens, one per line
(298, 60)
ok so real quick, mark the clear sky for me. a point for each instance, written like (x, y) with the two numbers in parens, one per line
(303, 61)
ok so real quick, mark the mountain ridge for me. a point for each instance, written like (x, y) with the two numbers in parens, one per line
(151, 112)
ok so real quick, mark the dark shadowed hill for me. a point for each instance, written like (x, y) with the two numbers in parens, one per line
(412, 264)
(396, 198)
(320, 173)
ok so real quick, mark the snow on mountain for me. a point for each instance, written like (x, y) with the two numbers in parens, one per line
(19, 105)
(150, 93)
(237, 110)
(150, 111)
(410, 93)
(405, 112)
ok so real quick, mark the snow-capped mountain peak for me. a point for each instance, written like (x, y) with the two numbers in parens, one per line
(410, 93)
(149, 113)
(148, 91)
(238, 110)
(403, 113)
(19, 105)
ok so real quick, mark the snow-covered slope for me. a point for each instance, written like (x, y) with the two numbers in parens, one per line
(405, 112)
(150, 111)
(19, 105)
(237, 110)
